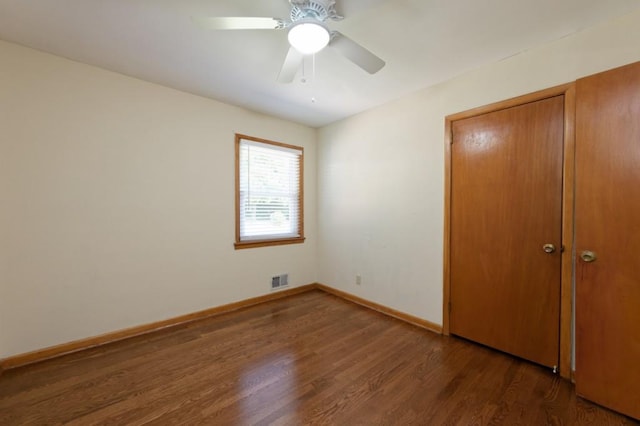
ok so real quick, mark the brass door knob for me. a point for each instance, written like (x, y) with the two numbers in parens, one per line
(549, 248)
(588, 256)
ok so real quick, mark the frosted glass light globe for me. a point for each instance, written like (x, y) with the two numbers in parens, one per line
(308, 37)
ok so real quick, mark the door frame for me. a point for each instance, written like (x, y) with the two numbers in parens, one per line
(568, 185)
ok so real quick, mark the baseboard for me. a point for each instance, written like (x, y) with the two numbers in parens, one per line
(419, 322)
(104, 339)
(91, 342)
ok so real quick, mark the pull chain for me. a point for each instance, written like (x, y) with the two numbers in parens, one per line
(312, 78)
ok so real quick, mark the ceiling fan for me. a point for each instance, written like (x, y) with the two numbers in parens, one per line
(308, 33)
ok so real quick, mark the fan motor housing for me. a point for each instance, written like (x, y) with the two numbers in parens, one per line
(320, 10)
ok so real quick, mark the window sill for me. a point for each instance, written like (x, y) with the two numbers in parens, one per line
(267, 243)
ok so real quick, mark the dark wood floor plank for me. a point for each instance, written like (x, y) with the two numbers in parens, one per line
(308, 359)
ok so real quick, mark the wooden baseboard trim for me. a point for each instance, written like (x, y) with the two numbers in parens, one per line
(419, 322)
(104, 339)
(91, 342)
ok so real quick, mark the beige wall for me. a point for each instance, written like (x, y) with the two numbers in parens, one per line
(116, 195)
(116, 202)
(380, 173)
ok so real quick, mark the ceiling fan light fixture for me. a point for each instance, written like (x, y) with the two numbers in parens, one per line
(308, 37)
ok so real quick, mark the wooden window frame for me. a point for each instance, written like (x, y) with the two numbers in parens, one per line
(268, 241)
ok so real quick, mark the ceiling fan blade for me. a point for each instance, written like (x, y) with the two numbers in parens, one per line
(356, 53)
(291, 65)
(239, 23)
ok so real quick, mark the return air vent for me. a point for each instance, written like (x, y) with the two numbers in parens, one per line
(279, 281)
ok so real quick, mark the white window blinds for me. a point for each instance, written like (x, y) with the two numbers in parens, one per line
(269, 191)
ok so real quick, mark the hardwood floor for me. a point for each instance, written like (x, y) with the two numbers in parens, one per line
(308, 359)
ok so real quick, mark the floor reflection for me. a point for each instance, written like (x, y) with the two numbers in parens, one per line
(268, 384)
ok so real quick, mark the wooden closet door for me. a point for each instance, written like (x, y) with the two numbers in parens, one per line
(608, 224)
(506, 205)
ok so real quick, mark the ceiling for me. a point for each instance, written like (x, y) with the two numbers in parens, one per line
(423, 42)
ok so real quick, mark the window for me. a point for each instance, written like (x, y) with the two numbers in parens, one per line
(269, 193)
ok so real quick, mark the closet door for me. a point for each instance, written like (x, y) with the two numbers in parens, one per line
(506, 225)
(608, 239)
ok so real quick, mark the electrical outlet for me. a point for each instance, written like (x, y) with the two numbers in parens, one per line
(358, 279)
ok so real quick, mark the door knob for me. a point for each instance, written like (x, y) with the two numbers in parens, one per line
(549, 248)
(588, 256)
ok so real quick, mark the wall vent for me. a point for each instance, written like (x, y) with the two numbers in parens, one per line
(279, 281)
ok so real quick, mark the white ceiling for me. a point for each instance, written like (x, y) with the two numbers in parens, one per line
(423, 42)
